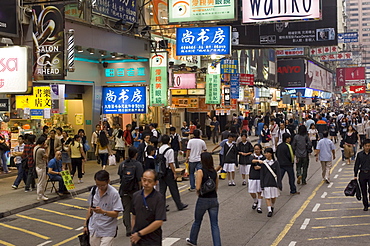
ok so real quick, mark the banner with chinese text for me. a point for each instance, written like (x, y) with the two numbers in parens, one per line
(124, 100)
(39, 100)
(158, 79)
(213, 86)
(234, 86)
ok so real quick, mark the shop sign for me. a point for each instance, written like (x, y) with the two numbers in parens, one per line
(317, 77)
(226, 94)
(9, 18)
(158, 79)
(357, 89)
(116, 9)
(213, 84)
(196, 92)
(348, 37)
(234, 86)
(37, 114)
(199, 10)
(179, 92)
(124, 100)
(184, 102)
(299, 51)
(39, 100)
(229, 66)
(352, 75)
(48, 36)
(344, 56)
(326, 50)
(184, 81)
(127, 72)
(67, 179)
(276, 11)
(340, 77)
(57, 93)
(202, 107)
(246, 79)
(4, 105)
(291, 73)
(203, 41)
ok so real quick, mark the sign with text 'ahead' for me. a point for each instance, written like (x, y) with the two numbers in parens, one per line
(124, 100)
(203, 41)
(275, 10)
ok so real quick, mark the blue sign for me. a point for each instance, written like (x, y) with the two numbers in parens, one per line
(124, 100)
(37, 113)
(229, 66)
(348, 37)
(117, 9)
(203, 41)
(234, 86)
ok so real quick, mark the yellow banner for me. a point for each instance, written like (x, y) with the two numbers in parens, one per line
(68, 182)
(39, 100)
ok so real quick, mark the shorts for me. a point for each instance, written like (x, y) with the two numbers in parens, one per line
(270, 192)
(66, 158)
(229, 167)
(244, 169)
(254, 186)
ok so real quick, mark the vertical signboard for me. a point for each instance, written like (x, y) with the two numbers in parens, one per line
(234, 86)
(57, 94)
(213, 86)
(48, 38)
(340, 77)
(158, 79)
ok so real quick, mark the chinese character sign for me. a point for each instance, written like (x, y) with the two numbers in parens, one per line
(158, 79)
(127, 72)
(124, 100)
(40, 99)
(203, 41)
(213, 86)
(117, 9)
(234, 86)
(229, 66)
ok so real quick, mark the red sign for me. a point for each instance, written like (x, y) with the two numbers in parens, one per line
(246, 79)
(340, 77)
(355, 75)
(358, 89)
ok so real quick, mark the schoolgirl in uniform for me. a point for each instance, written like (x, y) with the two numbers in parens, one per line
(270, 180)
(245, 149)
(254, 186)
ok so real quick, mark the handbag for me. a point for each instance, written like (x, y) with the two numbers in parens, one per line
(112, 160)
(353, 189)
(207, 186)
(84, 238)
(86, 147)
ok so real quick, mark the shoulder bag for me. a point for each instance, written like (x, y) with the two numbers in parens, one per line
(270, 169)
(207, 186)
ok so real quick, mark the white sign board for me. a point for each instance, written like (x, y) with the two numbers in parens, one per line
(13, 69)
(255, 11)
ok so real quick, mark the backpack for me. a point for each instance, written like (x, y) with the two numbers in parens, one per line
(175, 145)
(160, 164)
(128, 178)
(207, 186)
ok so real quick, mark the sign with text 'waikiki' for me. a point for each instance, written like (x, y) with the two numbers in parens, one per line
(124, 100)
(203, 41)
(200, 10)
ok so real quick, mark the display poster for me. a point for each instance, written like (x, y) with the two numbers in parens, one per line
(291, 73)
(318, 77)
(57, 98)
(123, 100)
(158, 79)
(229, 66)
(124, 10)
(357, 89)
(213, 86)
(234, 86)
(68, 181)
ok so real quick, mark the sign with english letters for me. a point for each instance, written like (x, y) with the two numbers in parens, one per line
(291, 73)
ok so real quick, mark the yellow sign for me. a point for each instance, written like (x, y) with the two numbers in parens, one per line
(179, 92)
(68, 181)
(196, 92)
(39, 100)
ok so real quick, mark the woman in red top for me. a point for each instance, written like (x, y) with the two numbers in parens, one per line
(31, 170)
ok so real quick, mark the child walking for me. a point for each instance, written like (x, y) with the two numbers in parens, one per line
(254, 184)
(245, 149)
(230, 158)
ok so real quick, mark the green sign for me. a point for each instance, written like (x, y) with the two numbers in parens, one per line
(213, 84)
(68, 181)
(158, 79)
(200, 10)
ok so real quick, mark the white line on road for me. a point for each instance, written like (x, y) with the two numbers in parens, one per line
(79, 228)
(182, 187)
(336, 176)
(44, 243)
(324, 195)
(292, 243)
(316, 207)
(343, 164)
(168, 241)
(305, 223)
(340, 169)
(330, 185)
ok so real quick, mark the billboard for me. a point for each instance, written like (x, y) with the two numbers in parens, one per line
(309, 33)
(197, 41)
(184, 81)
(127, 72)
(9, 17)
(275, 11)
(124, 100)
(318, 77)
(348, 37)
(357, 89)
(116, 9)
(351, 76)
(199, 10)
(291, 73)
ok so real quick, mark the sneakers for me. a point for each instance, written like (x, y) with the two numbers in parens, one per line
(184, 206)
(244, 182)
(230, 184)
(191, 190)
(14, 187)
(299, 179)
(80, 181)
(327, 181)
(42, 198)
(190, 243)
(28, 190)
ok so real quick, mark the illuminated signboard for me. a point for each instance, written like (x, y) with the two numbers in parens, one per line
(124, 100)
(39, 100)
(127, 72)
(184, 81)
(158, 79)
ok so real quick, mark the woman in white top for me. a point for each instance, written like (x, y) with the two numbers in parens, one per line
(119, 145)
(313, 135)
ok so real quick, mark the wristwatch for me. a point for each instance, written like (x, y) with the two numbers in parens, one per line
(139, 234)
(105, 214)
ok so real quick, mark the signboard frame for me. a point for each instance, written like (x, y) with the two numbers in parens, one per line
(134, 107)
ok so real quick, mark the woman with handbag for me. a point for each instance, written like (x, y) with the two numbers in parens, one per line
(206, 186)
(351, 139)
(103, 149)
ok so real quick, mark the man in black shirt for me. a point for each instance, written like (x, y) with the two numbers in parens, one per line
(362, 164)
(148, 212)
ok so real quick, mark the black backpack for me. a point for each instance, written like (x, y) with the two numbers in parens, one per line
(128, 178)
(160, 164)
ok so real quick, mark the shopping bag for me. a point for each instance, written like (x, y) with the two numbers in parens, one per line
(112, 160)
(350, 190)
(84, 239)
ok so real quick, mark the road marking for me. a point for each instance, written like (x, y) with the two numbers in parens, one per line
(343, 164)
(330, 185)
(342, 182)
(336, 237)
(342, 217)
(44, 243)
(340, 169)
(168, 241)
(5, 243)
(336, 176)
(346, 225)
(298, 213)
(69, 205)
(179, 192)
(292, 243)
(79, 228)
(305, 224)
(44, 221)
(79, 198)
(329, 210)
(316, 207)
(66, 241)
(182, 187)
(324, 195)
(348, 197)
(25, 231)
(329, 203)
(347, 175)
(336, 192)
(63, 214)
(340, 187)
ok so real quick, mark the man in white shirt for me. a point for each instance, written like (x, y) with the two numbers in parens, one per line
(195, 147)
(153, 130)
(169, 178)
(280, 132)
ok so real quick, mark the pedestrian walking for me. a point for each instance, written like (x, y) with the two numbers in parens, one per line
(325, 153)
(301, 147)
(119, 146)
(313, 134)
(254, 181)
(94, 139)
(103, 149)
(215, 126)
(208, 126)
(351, 140)
(17, 153)
(141, 154)
(230, 158)
(127, 138)
(41, 158)
(265, 136)
(280, 132)
(333, 130)
(206, 201)
(175, 141)
(362, 165)
(30, 167)
(104, 208)
(245, 149)
(77, 157)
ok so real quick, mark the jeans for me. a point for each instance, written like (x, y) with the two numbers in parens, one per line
(192, 167)
(354, 151)
(302, 167)
(31, 178)
(104, 159)
(215, 136)
(4, 161)
(211, 205)
(21, 175)
(62, 187)
(290, 171)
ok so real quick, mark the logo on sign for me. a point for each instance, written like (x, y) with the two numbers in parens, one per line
(289, 69)
(10, 64)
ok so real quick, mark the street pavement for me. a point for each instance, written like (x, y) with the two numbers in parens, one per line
(320, 215)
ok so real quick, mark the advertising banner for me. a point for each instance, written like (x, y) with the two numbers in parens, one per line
(158, 79)
(9, 17)
(291, 73)
(213, 86)
(124, 100)
(229, 66)
(48, 37)
(276, 11)
(127, 73)
(39, 100)
(184, 81)
(199, 10)
(340, 77)
(344, 56)
(116, 9)
(354, 75)
(246, 79)
(234, 86)
(357, 89)
(318, 78)
(299, 51)
(182, 102)
(68, 181)
(226, 95)
(348, 37)
(195, 41)
(57, 93)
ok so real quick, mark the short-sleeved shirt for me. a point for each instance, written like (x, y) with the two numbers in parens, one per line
(39, 153)
(75, 150)
(138, 173)
(325, 146)
(56, 166)
(196, 147)
(170, 157)
(222, 144)
(154, 209)
(100, 225)
(216, 125)
(19, 148)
